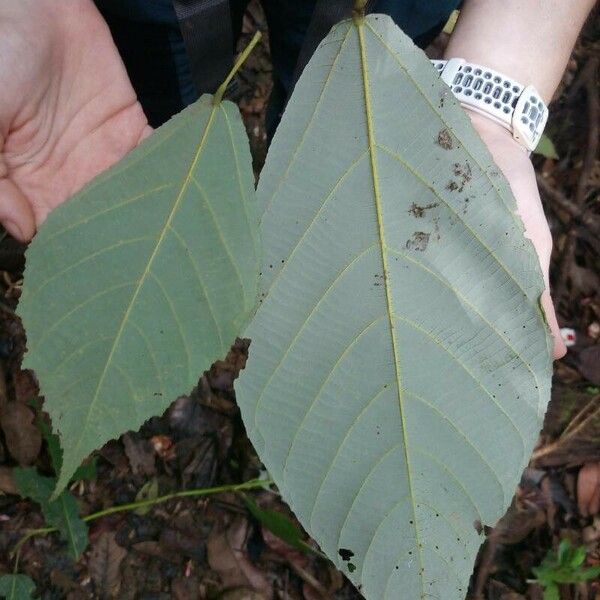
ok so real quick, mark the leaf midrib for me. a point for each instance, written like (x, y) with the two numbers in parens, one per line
(372, 145)
(70, 532)
(144, 275)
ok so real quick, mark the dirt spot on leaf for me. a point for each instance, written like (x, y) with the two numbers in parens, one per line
(444, 139)
(418, 242)
(464, 174)
(419, 211)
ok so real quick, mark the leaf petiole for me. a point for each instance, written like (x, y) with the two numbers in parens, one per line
(218, 97)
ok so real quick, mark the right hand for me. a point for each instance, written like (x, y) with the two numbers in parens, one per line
(67, 108)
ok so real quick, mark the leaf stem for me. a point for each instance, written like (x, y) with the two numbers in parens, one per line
(237, 487)
(359, 8)
(218, 97)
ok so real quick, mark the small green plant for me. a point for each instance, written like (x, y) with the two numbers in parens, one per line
(62, 516)
(564, 566)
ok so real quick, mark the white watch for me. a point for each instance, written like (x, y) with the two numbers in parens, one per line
(518, 108)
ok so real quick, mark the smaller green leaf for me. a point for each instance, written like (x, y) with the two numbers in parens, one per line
(149, 491)
(278, 524)
(563, 552)
(551, 592)
(52, 443)
(62, 513)
(573, 575)
(86, 471)
(546, 148)
(16, 587)
(587, 574)
(576, 557)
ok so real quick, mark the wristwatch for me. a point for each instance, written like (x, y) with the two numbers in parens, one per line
(518, 108)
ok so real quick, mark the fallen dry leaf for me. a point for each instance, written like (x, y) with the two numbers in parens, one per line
(26, 386)
(104, 565)
(23, 438)
(227, 556)
(242, 594)
(140, 454)
(162, 445)
(185, 588)
(7, 481)
(589, 364)
(518, 523)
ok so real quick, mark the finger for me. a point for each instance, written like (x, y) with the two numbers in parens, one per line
(16, 213)
(588, 482)
(147, 132)
(559, 346)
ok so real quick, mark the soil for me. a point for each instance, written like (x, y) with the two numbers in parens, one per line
(214, 548)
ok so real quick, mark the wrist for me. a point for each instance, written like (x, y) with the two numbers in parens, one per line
(494, 135)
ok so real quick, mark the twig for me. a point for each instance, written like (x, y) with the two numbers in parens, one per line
(579, 422)
(311, 580)
(576, 212)
(586, 78)
(593, 104)
(485, 565)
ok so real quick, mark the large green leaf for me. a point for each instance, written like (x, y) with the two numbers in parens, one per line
(399, 366)
(141, 281)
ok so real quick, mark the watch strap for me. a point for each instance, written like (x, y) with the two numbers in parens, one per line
(518, 108)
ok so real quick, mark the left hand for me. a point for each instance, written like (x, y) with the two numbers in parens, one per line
(513, 161)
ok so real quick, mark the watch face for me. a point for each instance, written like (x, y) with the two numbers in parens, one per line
(530, 117)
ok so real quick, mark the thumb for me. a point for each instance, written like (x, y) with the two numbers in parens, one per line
(16, 213)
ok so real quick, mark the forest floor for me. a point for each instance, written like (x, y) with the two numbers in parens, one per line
(189, 549)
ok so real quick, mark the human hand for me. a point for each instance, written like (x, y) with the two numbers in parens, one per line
(513, 161)
(67, 108)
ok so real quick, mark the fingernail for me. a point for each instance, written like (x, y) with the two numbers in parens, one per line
(14, 230)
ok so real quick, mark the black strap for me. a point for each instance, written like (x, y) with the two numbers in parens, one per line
(206, 29)
(325, 15)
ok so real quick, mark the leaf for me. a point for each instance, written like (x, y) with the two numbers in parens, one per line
(23, 440)
(546, 147)
(551, 592)
(149, 491)
(62, 513)
(277, 524)
(52, 443)
(400, 365)
(139, 283)
(16, 587)
(227, 555)
(105, 561)
(86, 471)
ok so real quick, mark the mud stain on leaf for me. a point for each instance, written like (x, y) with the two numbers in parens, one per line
(464, 174)
(444, 139)
(418, 241)
(419, 211)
